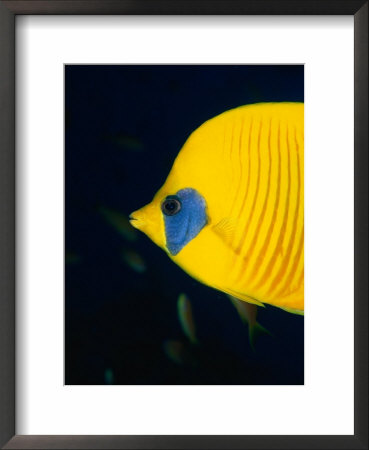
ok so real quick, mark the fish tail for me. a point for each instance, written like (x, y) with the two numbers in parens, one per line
(256, 330)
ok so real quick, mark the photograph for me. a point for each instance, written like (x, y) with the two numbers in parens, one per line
(162, 225)
(184, 224)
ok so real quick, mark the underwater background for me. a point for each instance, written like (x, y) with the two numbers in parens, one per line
(124, 126)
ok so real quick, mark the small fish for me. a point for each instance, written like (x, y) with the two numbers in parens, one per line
(134, 261)
(109, 376)
(231, 211)
(120, 222)
(126, 141)
(72, 258)
(174, 350)
(186, 318)
(177, 352)
(248, 312)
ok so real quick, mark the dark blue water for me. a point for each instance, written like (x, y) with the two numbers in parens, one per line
(124, 127)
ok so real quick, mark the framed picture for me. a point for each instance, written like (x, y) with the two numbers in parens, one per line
(154, 326)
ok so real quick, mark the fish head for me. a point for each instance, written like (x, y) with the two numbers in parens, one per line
(172, 219)
(190, 197)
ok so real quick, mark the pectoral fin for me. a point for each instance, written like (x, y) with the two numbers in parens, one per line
(225, 229)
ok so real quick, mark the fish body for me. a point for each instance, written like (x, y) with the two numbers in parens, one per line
(231, 212)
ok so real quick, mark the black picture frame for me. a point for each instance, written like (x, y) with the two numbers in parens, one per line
(8, 12)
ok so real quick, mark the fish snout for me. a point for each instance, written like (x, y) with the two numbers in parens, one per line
(142, 218)
(148, 220)
(136, 219)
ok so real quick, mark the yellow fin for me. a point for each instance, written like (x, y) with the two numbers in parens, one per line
(294, 311)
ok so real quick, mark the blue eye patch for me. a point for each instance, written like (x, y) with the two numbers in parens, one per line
(184, 217)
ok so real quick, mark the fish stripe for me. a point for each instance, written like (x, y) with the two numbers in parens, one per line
(279, 244)
(257, 234)
(268, 237)
(298, 258)
(239, 163)
(224, 142)
(244, 227)
(247, 190)
(300, 266)
(241, 196)
(287, 257)
(231, 147)
(252, 209)
(300, 279)
(286, 287)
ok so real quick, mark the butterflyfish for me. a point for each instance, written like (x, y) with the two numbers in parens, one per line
(231, 211)
(134, 261)
(177, 352)
(185, 317)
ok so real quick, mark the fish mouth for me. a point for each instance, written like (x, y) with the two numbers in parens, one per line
(134, 221)
(140, 219)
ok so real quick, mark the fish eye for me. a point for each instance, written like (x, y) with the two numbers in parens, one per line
(171, 205)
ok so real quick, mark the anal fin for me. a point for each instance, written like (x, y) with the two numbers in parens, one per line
(293, 311)
(244, 297)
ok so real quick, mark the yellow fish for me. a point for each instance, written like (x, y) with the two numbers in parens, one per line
(231, 212)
